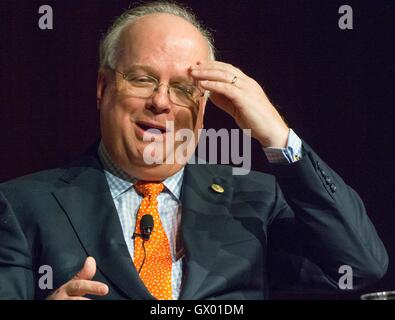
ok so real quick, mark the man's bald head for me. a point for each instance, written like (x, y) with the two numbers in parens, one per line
(110, 45)
(168, 37)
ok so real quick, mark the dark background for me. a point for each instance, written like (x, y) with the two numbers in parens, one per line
(334, 87)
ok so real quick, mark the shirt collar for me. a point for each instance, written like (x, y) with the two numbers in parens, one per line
(120, 182)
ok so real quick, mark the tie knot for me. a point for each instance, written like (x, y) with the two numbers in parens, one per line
(149, 188)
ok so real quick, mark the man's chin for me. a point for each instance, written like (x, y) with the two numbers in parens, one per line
(154, 172)
(153, 162)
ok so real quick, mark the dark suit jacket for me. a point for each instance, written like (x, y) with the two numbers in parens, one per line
(298, 226)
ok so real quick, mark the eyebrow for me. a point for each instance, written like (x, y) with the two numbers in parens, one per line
(133, 67)
(151, 71)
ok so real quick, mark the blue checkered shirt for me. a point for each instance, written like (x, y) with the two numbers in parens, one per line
(127, 202)
(291, 153)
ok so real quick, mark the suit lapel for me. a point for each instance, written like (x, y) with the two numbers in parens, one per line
(84, 195)
(204, 216)
(86, 199)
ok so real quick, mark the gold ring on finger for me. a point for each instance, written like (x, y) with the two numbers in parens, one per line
(233, 80)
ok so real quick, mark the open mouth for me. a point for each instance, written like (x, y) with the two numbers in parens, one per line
(151, 128)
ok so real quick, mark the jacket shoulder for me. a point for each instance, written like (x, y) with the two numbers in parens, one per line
(47, 179)
(38, 181)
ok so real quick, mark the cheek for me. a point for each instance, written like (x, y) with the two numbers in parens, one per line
(188, 119)
(117, 99)
(117, 123)
(120, 108)
(183, 119)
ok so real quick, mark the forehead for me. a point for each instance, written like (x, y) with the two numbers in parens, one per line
(162, 41)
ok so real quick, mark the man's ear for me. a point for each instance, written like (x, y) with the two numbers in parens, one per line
(101, 86)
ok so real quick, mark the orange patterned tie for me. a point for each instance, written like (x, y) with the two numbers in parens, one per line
(156, 271)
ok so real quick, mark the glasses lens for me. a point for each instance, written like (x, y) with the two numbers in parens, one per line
(140, 86)
(143, 86)
(184, 95)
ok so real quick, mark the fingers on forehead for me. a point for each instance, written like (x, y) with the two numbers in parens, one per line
(218, 65)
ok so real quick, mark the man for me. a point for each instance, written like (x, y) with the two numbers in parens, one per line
(209, 234)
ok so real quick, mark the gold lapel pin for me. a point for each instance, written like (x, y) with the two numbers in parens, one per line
(217, 188)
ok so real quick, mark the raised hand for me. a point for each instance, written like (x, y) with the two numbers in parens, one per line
(81, 284)
(244, 99)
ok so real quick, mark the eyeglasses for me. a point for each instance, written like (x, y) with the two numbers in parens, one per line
(144, 86)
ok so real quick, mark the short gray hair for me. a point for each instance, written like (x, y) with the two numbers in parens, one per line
(110, 41)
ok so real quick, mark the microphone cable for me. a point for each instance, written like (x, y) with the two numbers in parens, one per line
(145, 254)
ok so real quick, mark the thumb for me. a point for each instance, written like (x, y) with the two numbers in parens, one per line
(88, 270)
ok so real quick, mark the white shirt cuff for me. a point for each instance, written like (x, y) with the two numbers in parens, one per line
(292, 153)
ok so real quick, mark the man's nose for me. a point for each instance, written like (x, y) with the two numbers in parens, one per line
(161, 99)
